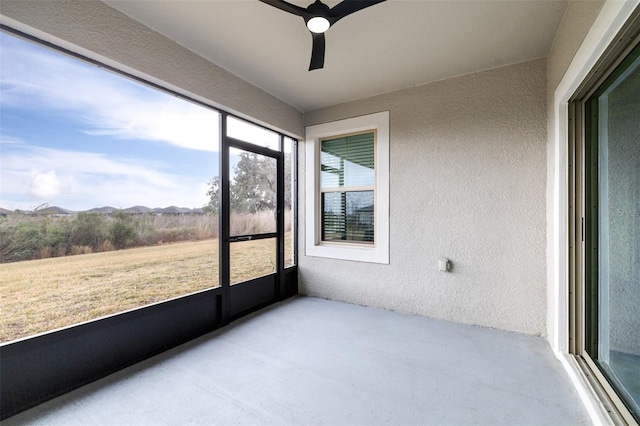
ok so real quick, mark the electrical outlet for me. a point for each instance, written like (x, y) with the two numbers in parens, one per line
(444, 264)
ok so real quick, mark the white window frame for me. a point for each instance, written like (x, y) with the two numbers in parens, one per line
(378, 252)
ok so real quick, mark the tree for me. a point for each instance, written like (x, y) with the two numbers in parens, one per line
(254, 186)
(287, 181)
(212, 193)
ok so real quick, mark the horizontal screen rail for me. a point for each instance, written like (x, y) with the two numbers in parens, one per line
(252, 237)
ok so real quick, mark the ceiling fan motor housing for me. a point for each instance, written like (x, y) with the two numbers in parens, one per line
(318, 8)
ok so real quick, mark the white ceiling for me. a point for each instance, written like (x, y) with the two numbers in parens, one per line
(386, 47)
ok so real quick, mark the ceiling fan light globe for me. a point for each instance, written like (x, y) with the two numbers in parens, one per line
(318, 24)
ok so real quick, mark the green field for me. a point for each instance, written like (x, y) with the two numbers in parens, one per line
(45, 294)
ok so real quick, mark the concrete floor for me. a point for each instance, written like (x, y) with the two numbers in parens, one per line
(313, 361)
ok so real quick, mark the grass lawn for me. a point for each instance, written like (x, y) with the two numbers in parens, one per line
(42, 295)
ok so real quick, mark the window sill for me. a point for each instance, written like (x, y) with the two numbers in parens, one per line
(355, 252)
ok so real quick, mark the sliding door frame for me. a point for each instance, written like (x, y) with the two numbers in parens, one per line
(583, 220)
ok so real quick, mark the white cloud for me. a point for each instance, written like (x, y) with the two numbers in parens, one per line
(110, 105)
(34, 79)
(82, 180)
(45, 185)
(9, 140)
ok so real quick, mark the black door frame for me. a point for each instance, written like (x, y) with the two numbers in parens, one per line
(248, 290)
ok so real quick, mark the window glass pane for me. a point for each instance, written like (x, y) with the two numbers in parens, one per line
(252, 259)
(247, 132)
(348, 216)
(289, 203)
(619, 233)
(105, 192)
(252, 193)
(348, 161)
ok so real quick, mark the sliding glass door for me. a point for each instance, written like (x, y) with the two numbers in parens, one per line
(612, 230)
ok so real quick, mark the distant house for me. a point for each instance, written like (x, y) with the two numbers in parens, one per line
(5, 212)
(171, 211)
(52, 211)
(107, 210)
(137, 210)
(177, 211)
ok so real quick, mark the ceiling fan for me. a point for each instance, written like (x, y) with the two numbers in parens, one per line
(319, 17)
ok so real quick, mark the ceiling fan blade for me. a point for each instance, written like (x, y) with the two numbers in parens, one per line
(287, 7)
(317, 54)
(347, 7)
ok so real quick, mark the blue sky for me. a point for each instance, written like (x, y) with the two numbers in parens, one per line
(76, 136)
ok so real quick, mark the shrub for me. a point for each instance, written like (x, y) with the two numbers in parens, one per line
(88, 229)
(57, 235)
(26, 237)
(26, 240)
(122, 234)
(106, 246)
(44, 253)
(253, 223)
(145, 228)
(61, 250)
(81, 250)
(6, 235)
(168, 235)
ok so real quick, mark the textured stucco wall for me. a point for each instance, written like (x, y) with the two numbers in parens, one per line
(576, 23)
(467, 181)
(98, 31)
